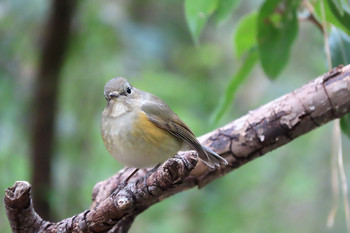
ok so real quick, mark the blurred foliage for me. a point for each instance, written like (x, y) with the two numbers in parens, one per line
(277, 27)
(149, 43)
(273, 30)
(339, 43)
(237, 80)
(244, 37)
(332, 15)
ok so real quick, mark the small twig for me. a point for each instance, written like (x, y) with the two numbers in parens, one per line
(325, 36)
(311, 16)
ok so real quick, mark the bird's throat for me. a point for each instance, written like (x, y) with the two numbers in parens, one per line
(116, 109)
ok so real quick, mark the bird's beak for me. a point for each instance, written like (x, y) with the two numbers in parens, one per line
(113, 94)
(109, 96)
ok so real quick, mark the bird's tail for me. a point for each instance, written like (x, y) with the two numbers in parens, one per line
(211, 158)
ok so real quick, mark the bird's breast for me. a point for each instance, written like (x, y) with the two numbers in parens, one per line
(135, 141)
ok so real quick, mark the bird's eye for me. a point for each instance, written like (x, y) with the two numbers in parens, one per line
(128, 90)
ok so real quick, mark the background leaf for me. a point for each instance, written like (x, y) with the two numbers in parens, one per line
(276, 33)
(339, 5)
(244, 37)
(333, 15)
(238, 78)
(339, 43)
(345, 124)
(225, 9)
(342, 16)
(197, 13)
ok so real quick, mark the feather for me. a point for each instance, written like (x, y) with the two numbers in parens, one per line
(162, 116)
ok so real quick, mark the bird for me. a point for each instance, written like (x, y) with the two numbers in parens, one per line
(140, 130)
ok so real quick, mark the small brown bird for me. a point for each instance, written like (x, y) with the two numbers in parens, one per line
(140, 130)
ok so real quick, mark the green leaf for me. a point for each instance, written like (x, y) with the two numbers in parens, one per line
(197, 13)
(342, 6)
(236, 81)
(277, 29)
(339, 44)
(342, 17)
(338, 4)
(225, 9)
(333, 15)
(244, 37)
(345, 124)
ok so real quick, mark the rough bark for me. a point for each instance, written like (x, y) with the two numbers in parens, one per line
(114, 205)
(54, 45)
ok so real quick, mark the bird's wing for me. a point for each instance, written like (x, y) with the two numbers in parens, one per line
(162, 116)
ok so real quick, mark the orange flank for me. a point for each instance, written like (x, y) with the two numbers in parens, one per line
(149, 131)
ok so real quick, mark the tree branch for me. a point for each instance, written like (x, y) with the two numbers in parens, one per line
(251, 136)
